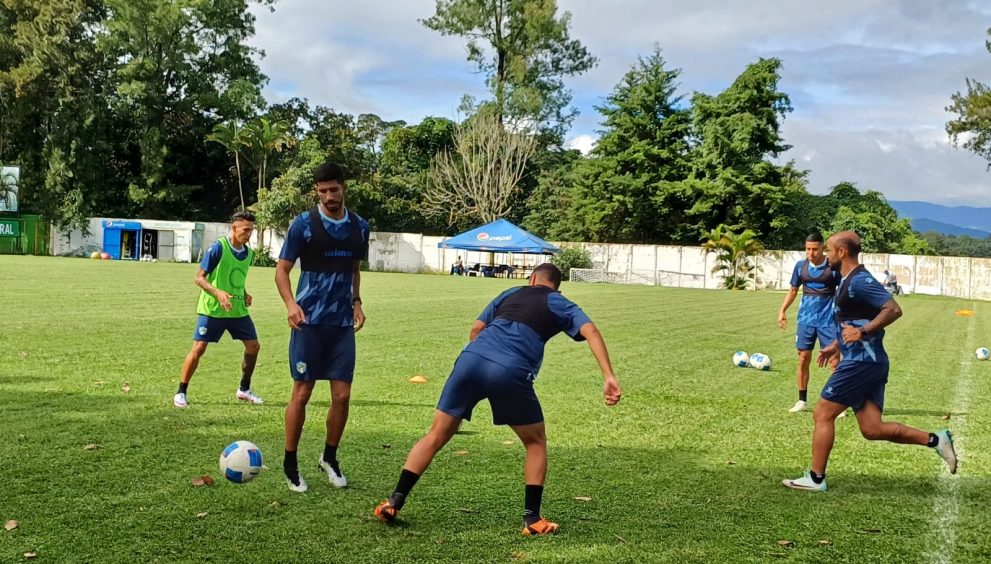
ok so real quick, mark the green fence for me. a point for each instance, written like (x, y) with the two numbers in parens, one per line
(24, 235)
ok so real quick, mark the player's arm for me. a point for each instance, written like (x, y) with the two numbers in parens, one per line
(209, 263)
(359, 313)
(476, 328)
(890, 311)
(598, 347)
(295, 313)
(789, 299)
(827, 352)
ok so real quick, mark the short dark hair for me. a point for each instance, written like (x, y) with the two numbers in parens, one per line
(329, 172)
(815, 237)
(550, 273)
(243, 216)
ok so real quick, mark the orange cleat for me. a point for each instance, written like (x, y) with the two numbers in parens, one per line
(387, 513)
(542, 527)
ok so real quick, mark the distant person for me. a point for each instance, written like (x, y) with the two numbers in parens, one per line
(458, 268)
(815, 312)
(891, 283)
(330, 241)
(223, 307)
(863, 309)
(500, 364)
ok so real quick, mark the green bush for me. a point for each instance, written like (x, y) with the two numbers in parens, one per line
(572, 257)
(262, 258)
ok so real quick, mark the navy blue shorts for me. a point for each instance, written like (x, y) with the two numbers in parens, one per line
(211, 329)
(853, 383)
(509, 391)
(805, 339)
(322, 352)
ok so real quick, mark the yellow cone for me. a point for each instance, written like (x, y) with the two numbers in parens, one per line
(418, 380)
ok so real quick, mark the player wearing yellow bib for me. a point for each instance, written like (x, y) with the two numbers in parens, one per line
(223, 306)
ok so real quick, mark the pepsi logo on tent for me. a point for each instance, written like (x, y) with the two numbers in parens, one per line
(483, 236)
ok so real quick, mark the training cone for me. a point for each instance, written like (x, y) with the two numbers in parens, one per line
(418, 380)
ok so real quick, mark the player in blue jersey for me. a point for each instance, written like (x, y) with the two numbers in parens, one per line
(815, 313)
(330, 241)
(499, 363)
(863, 308)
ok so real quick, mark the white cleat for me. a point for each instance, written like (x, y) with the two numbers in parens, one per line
(249, 396)
(799, 406)
(844, 413)
(301, 488)
(805, 483)
(336, 478)
(945, 449)
(179, 400)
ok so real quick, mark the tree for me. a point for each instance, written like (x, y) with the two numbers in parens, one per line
(973, 121)
(478, 178)
(733, 253)
(525, 50)
(292, 191)
(265, 137)
(234, 138)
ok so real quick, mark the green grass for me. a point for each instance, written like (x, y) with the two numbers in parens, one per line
(686, 468)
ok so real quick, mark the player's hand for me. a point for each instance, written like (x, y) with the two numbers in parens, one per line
(826, 353)
(611, 390)
(851, 334)
(225, 299)
(782, 320)
(296, 317)
(247, 299)
(359, 317)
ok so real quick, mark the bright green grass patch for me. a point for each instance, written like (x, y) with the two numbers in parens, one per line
(686, 468)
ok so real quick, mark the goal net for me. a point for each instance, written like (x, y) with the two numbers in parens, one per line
(588, 275)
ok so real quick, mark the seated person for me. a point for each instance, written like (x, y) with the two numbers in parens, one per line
(458, 267)
(891, 282)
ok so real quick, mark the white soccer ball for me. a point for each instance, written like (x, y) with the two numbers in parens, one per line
(983, 353)
(760, 361)
(741, 359)
(241, 462)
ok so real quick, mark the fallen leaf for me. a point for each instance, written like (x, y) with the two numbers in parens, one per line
(517, 555)
(30, 555)
(786, 543)
(621, 539)
(202, 515)
(418, 380)
(583, 498)
(386, 446)
(99, 382)
(274, 504)
(946, 417)
(92, 447)
(202, 481)
(466, 510)
(509, 442)
(441, 541)
(824, 542)
(24, 354)
(461, 452)
(126, 387)
(10, 525)
(730, 462)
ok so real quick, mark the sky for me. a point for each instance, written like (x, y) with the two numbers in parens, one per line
(869, 80)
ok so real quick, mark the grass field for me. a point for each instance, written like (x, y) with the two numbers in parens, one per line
(686, 468)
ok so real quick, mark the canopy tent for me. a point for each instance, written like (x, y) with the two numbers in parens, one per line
(500, 236)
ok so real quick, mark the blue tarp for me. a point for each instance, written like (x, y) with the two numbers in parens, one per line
(500, 236)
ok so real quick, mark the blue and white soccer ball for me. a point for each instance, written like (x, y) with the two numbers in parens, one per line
(741, 359)
(241, 462)
(760, 361)
(983, 353)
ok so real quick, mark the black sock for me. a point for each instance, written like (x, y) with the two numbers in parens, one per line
(291, 467)
(330, 457)
(531, 503)
(406, 482)
(803, 395)
(183, 386)
(933, 440)
(817, 478)
(247, 369)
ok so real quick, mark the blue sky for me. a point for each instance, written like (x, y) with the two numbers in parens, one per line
(869, 79)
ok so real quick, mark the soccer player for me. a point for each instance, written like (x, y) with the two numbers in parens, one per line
(815, 313)
(330, 242)
(500, 364)
(863, 309)
(223, 306)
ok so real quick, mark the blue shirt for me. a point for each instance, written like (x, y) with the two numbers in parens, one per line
(815, 311)
(864, 288)
(325, 297)
(514, 344)
(211, 258)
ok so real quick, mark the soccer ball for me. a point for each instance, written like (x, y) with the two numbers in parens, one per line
(983, 353)
(241, 462)
(760, 361)
(741, 359)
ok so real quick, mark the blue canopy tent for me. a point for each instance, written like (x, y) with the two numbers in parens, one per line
(500, 236)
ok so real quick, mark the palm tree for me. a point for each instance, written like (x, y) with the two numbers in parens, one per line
(733, 251)
(266, 137)
(234, 137)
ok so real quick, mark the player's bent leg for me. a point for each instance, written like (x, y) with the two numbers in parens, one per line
(244, 391)
(823, 435)
(337, 418)
(534, 438)
(295, 417)
(188, 369)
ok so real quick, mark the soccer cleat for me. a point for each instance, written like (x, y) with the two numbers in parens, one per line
(336, 477)
(805, 483)
(298, 488)
(799, 406)
(844, 413)
(386, 512)
(248, 396)
(542, 527)
(179, 400)
(945, 449)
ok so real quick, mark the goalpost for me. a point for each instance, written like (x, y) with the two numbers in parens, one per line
(588, 275)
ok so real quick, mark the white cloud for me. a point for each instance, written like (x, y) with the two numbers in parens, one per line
(584, 143)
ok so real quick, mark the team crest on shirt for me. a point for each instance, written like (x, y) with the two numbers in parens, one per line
(301, 367)
(202, 331)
